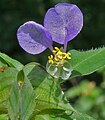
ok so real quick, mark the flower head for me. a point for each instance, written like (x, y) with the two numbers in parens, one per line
(61, 24)
(59, 56)
(64, 22)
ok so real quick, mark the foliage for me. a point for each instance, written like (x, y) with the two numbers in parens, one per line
(86, 62)
(31, 93)
(90, 98)
(45, 99)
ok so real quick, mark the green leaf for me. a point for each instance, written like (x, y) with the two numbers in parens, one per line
(47, 89)
(73, 116)
(27, 101)
(87, 62)
(4, 117)
(6, 81)
(81, 116)
(13, 103)
(20, 76)
(2, 64)
(22, 99)
(4, 59)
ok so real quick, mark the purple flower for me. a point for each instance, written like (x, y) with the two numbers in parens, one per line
(61, 24)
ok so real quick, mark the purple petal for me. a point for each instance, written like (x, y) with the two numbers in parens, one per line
(33, 37)
(64, 22)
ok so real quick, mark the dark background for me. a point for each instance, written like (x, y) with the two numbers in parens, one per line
(14, 13)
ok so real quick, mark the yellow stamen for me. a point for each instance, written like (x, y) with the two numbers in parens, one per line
(68, 55)
(51, 61)
(58, 56)
(64, 55)
(56, 59)
(50, 57)
(56, 50)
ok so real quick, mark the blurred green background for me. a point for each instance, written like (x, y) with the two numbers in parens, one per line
(13, 13)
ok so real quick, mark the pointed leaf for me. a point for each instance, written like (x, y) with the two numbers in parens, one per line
(22, 100)
(13, 103)
(87, 62)
(47, 89)
(9, 61)
(7, 78)
(73, 116)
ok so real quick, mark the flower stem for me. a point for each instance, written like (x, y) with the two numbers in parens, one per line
(65, 45)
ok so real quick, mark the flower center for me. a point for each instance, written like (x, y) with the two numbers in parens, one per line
(58, 56)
